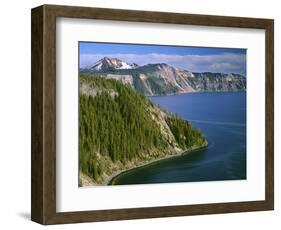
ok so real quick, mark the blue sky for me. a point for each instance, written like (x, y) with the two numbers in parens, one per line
(196, 59)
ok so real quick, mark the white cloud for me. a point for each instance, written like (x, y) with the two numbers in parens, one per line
(226, 62)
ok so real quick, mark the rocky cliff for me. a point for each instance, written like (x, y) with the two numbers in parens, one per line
(163, 79)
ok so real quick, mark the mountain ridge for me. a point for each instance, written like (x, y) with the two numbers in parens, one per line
(163, 79)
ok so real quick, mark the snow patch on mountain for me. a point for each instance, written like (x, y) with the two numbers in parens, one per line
(109, 64)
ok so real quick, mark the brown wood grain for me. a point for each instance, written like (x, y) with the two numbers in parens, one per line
(43, 160)
(37, 115)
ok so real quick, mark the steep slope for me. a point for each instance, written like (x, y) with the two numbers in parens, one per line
(121, 129)
(163, 79)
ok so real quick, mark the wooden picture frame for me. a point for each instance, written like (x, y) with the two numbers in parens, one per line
(43, 202)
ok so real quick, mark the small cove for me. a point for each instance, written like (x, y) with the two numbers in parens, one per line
(222, 118)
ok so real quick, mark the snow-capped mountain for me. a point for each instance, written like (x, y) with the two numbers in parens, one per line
(111, 64)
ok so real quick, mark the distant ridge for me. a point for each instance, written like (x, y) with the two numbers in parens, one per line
(164, 79)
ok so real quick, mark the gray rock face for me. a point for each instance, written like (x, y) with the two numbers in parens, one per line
(218, 82)
(163, 79)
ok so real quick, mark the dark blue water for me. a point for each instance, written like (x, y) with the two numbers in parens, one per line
(222, 118)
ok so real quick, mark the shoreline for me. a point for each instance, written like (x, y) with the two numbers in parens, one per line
(111, 179)
(194, 92)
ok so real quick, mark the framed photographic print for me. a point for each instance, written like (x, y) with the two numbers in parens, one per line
(141, 114)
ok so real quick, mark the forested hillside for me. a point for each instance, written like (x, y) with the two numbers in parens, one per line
(121, 129)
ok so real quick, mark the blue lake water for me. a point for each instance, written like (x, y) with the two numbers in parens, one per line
(222, 119)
